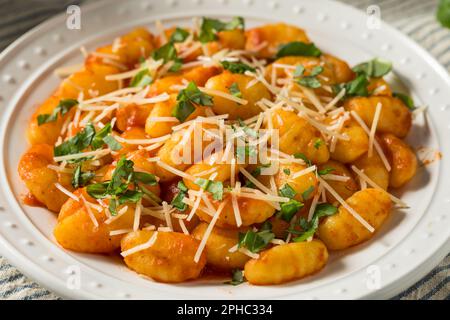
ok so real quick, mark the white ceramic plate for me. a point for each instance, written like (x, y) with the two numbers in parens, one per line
(408, 246)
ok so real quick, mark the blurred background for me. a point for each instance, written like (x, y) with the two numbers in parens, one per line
(425, 21)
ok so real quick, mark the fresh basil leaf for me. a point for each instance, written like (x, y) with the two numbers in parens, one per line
(166, 53)
(300, 155)
(287, 171)
(287, 191)
(62, 108)
(325, 209)
(307, 193)
(309, 82)
(325, 171)
(299, 70)
(97, 190)
(214, 187)
(210, 27)
(255, 241)
(112, 143)
(76, 144)
(97, 141)
(237, 67)
(146, 178)
(374, 68)
(179, 35)
(356, 87)
(316, 71)
(181, 186)
(245, 151)
(186, 100)
(298, 48)
(319, 142)
(182, 110)
(289, 209)
(177, 201)
(236, 278)
(407, 100)
(130, 196)
(141, 79)
(310, 228)
(235, 91)
(80, 179)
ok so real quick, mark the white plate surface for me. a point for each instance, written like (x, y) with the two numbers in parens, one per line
(410, 244)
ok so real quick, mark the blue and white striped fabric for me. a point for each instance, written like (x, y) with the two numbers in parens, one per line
(416, 18)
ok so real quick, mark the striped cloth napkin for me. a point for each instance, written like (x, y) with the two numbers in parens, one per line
(416, 18)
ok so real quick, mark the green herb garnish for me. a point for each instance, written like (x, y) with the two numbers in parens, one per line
(76, 144)
(237, 277)
(168, 53)
(210, 28)
(186, 100)
(179, 35)
(80, 179)
(214, 187)
(177, 201)
(374, 68)
(298, 48)
(309, 228)
(235, 91)
(237, 67)
(407, 100)
(62, 108)
(256, 241)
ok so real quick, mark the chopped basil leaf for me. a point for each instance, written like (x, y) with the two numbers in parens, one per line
(76, 144)
(235, 91)
(309, 228)
(186, 100)
(298, 48)
(374, 68)
(325, 171)
(80, 179)
(112, 143)
(179, 35)
(307, 193)
(310, 82)
(168, 53)
(407, 100)
(117, 189)
(299, 70)
(177, 201)
(287, 171)
(210, 27)
(237, 67)
(247, 130)
(141, 79)
(182, 187)
(300, 155)
(62, 108)
(146, 178)
(214, 187)
(287, 191)
(356, 87)
(316, 71)
(97, 141)
(245, 151)
(236, 278)
(255, 241)
(289, 209)
(318, 143)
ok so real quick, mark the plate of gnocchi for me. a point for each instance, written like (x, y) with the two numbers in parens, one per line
(223, 150)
